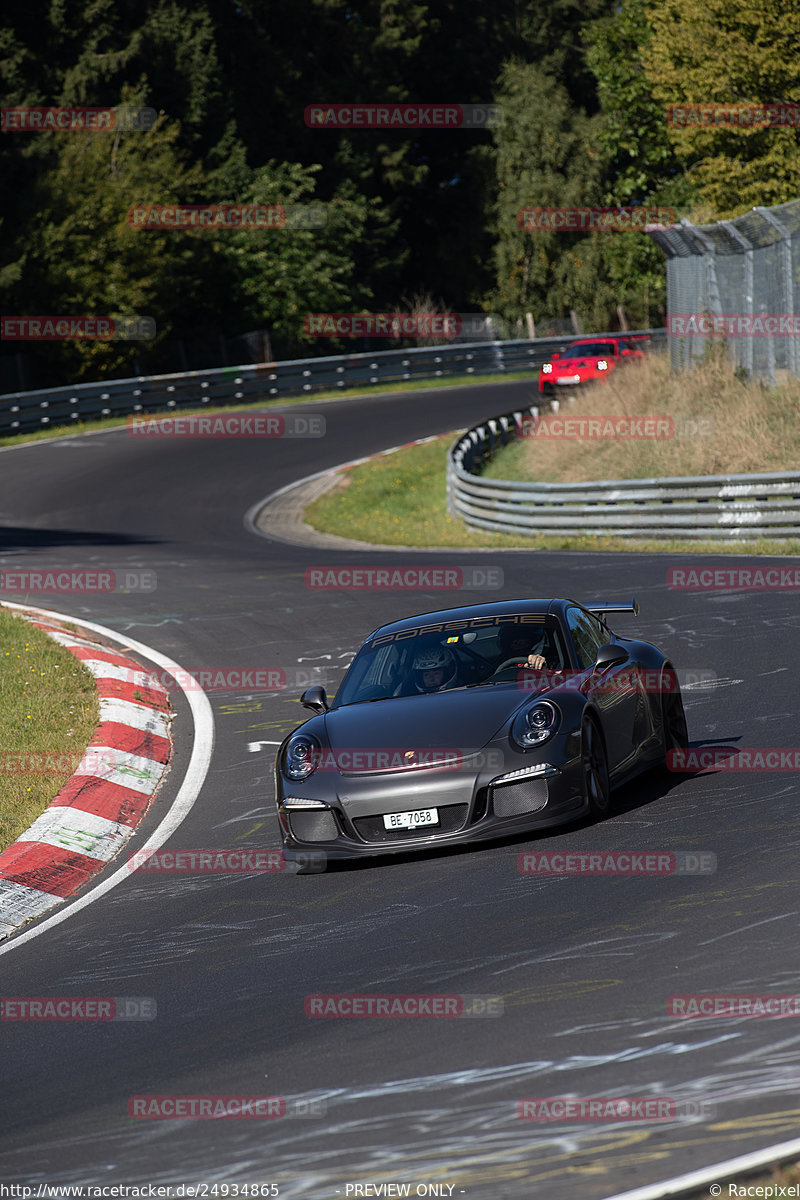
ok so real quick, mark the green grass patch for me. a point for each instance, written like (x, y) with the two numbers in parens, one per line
(411, 385)
(49, 708)
(400, 499)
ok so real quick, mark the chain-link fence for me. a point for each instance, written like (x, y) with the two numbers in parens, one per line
(738, 281)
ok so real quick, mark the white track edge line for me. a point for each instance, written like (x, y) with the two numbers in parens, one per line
(697, 1179)
(188, 792)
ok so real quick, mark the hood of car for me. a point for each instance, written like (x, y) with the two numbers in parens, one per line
(414, 732)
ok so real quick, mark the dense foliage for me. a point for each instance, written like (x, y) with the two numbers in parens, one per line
(414, 216)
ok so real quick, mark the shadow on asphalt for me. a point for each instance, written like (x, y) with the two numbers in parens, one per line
(16, 538)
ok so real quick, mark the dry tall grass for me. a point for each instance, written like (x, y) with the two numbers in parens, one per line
(722, 426)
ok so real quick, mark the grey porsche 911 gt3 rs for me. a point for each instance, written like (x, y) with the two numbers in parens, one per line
(475, 723)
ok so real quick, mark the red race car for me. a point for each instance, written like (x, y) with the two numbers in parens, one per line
(586, 360)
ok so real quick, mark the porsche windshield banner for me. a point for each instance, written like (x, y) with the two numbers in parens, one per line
(403, 635)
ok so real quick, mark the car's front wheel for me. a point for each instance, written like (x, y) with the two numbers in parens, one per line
(594, 767)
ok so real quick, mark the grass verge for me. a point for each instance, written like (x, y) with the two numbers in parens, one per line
(722, 425)
(49, 708)
(400, 499)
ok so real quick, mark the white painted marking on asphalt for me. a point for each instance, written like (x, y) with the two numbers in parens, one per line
(254, 747)
(744, 928)
(125, 712)
(708, 685)
(18, 900)
(78, 831)
(697, 1179)
(189, 790)
(67, 639)
(121, 767)
(104, 670)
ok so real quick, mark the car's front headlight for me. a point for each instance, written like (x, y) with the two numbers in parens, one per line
(602, 365)
(301, 756)
(547, 368)
(535, 725)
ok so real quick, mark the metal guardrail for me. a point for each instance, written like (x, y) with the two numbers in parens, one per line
(24, 411)
(727, 507)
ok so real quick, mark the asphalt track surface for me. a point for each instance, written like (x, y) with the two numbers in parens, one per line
(584, 965)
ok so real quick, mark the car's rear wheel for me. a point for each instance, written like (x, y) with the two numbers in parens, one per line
(673, 717)
(594, 766)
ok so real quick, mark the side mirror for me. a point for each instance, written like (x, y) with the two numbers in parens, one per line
(610, 655)
(315, 699)
(556, 355)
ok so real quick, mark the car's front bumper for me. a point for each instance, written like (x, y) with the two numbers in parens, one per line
(472, 806)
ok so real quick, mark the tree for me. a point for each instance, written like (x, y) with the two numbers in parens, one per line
(729, 52)
(639, 165)
(545, 157)
(72, 250)
(288, 272)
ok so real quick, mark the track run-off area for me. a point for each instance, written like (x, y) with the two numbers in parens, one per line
(582, 967)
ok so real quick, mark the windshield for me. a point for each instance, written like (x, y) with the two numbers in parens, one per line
(590, 350)
(417, 662)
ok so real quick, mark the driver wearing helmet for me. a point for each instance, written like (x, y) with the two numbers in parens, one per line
(434, 669)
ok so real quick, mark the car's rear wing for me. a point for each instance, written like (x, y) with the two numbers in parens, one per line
(600, 610)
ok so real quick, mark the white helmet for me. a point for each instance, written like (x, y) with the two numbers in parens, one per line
(434, 658)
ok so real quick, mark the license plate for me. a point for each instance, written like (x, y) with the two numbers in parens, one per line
(411, 820)
(569, 379)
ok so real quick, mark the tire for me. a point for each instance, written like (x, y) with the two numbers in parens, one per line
(594, 769)
(674, 732)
